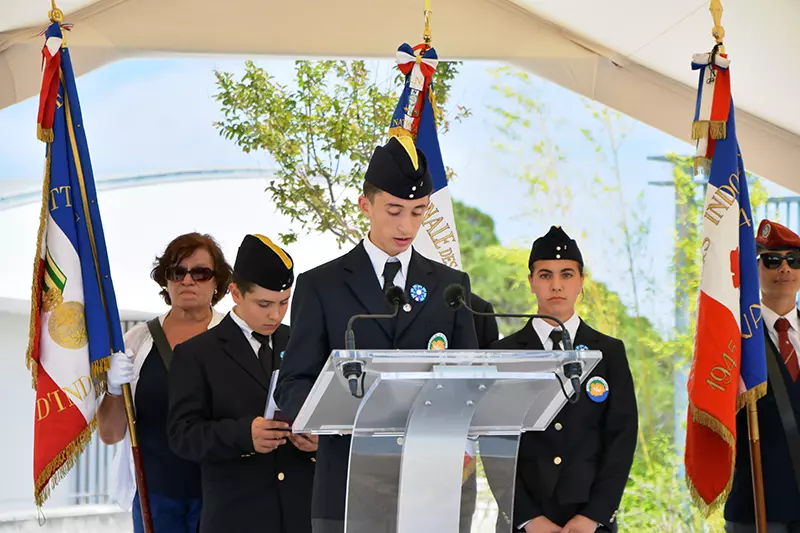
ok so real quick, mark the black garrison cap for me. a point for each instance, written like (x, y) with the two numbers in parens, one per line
(262, 262)
(555, 244)
(400, 169)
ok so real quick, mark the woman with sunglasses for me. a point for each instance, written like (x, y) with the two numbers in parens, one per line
(193, 276)
(778, 250)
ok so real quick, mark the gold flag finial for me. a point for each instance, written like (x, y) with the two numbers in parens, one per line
(718, 32)
(426, 36)
(55, 14)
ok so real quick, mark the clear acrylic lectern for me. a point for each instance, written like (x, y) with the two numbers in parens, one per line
(422, 416)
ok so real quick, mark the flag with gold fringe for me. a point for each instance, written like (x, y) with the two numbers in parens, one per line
(414, 120)
(729, 365)
(75, 322)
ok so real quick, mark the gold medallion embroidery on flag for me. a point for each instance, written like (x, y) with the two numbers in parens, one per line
(67, 326)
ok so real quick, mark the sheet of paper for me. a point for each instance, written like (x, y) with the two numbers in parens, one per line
(269, 412)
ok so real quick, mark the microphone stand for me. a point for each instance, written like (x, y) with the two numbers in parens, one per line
(353, 371)
(572, 370)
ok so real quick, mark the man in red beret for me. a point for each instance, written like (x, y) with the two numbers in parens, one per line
(779, 411)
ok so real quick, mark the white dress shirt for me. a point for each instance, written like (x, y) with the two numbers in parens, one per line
(770, 317)
(248, 332)
(379, 258)
(543, 329)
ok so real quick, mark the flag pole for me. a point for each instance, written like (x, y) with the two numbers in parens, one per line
(57, 16)
(428, 13)
(127, 395)
(755, 467)
(718, 32)
(141, 484)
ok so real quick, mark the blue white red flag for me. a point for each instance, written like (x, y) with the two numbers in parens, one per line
(729, 365)
(74, 318)
(415, 116)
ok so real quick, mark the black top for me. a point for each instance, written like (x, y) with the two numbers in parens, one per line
(781, 494)
(217, 387)
(580, 463)
(324, 299)
(165, 473)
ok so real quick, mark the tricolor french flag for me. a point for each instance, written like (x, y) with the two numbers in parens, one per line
(415, 115)
(75, 322)
(729, 365)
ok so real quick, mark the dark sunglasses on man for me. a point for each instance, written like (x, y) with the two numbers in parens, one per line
(178, 273)
(773, 260)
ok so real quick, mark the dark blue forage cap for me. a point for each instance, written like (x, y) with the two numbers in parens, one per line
(400, 169)
(555, 244)
(264, 263)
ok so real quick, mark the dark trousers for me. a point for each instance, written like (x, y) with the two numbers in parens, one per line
(170, 515)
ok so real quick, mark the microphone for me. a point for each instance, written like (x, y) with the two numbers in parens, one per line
(455, 298)
(396, 297)
(354, 370)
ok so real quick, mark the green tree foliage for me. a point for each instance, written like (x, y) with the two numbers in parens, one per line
(500, 274)
(320, 131)
(656, 499)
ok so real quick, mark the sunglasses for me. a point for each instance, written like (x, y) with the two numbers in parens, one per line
(773, 261)
(178, 273)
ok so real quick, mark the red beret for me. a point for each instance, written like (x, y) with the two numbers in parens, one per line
(773, 236)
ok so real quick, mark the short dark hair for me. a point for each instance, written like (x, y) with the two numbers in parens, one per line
(184, 246)
(370, 191)
(244, 285)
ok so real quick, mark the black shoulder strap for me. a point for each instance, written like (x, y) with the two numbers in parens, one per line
(160, 340)
(785, 409)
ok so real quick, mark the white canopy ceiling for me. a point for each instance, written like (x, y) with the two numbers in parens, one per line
(631, 55)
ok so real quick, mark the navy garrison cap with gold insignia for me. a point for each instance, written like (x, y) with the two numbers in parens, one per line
(556, 244)
(262, 262)
(400, 169)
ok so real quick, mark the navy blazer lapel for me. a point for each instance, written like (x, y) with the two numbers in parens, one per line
(586, 336)
(419, 273)
(239, 349)
(364, 283)
(279, 341)
(528, 339)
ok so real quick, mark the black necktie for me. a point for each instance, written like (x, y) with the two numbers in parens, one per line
(264, 353)
(390, 270)
(556, 336)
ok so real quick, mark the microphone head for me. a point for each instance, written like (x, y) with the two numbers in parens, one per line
(396, 295)
(454, 296)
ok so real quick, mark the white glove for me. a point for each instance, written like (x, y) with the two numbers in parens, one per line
(121, 371)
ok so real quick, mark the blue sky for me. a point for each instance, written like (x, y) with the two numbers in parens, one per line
(152, 115)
